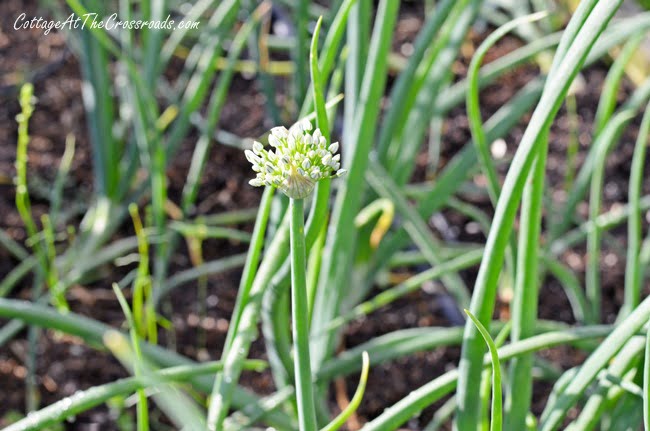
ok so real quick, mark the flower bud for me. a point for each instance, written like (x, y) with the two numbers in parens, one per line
(299, 161)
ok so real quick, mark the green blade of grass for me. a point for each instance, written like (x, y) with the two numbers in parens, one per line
(258, 52)
(496, 413)
(152, 39)
(252, 259)
(276, 326)
(318, 211)
(524, 306)
(100, 110)
(388, 347)
(182, 411)
(16, 274)
(201, 231)
(176, 37)
(120, 348)
(61, 176)
(237, 216)
(339, 421)
(625, 411)
(592, 273)
(633, 274)
(317, 83)
(299, 49)
(571, 32)
(525, 252)
(442, 415)
(358, 34)
(404, 342)
(616, 33)
(13, 247)
(488, 73)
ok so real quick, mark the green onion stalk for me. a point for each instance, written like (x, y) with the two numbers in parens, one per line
(299, 160)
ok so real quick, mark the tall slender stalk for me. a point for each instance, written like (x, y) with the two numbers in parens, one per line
(524, 313)
(300, 313)
(243, 328)
(592, 275)
(300, 59)
(496, 413)
(633, 266)
(142, 408)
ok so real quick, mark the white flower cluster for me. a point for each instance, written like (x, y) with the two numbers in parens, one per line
(300, 160)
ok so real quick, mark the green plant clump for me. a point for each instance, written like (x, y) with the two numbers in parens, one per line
(323, 255)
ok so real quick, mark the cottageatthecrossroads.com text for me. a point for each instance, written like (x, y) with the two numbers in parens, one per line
(93, 21)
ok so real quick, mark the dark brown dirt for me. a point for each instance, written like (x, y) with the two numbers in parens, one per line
(64, 365)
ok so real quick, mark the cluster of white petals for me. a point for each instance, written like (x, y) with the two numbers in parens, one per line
(300, 159)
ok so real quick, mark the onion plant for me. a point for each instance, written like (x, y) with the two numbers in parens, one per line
(299, 161)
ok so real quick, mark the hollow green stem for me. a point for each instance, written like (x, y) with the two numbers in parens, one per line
(339, 421)
(496, 415)
(524, 308)
(592, 275)
(142, 407)
(633, 266)
(299, 313)
(243, 327)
